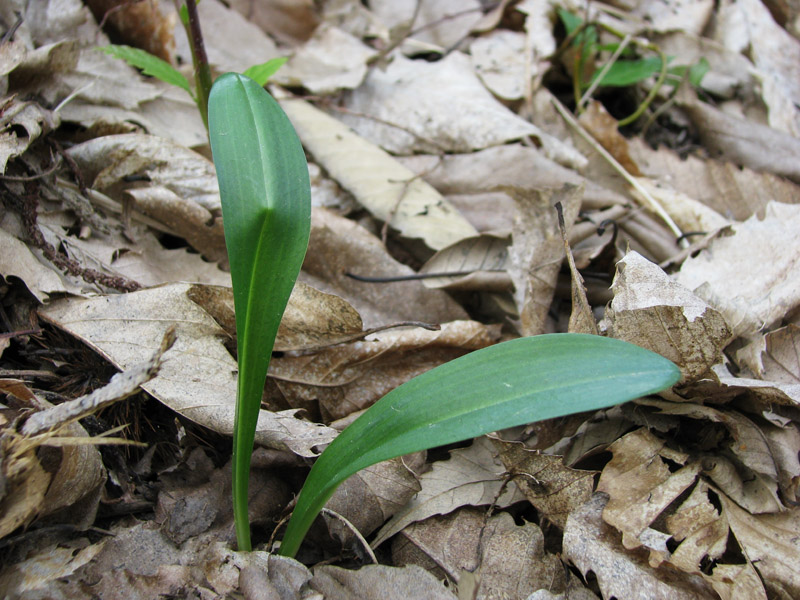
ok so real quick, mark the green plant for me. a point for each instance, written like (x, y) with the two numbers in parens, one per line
(156, 67)
(509, 384)
(266, 210)
(622, 69)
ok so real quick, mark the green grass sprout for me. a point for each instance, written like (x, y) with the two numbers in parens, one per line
(266, 211)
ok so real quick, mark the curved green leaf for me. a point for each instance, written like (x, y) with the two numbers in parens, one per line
(516, 382)
(149, 64)
(266, 210)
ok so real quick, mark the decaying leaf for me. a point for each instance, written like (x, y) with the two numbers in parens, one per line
(470, 477)
(651, 310)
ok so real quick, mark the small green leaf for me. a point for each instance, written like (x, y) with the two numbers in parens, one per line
(261, 73)
(628, 72)
(697, 71)
(513, 383)
(266, 211)
(149, 64)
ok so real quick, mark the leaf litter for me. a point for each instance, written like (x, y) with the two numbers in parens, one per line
(438, 144)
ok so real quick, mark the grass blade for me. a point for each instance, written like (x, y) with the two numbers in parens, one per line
(266, 210)
(516, 382)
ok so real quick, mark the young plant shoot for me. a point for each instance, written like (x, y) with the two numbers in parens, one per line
(266, 210)
(263, 180)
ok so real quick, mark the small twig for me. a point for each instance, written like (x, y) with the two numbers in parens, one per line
(356, 532)
(606, 68)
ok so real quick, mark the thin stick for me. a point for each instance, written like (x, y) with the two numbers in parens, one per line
(355, 531)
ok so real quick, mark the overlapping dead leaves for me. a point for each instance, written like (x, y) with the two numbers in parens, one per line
(691, 495)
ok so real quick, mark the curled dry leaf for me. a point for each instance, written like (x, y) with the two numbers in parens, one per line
(650, 310)
(349, 378)
(553, 488)
(775, 356)
(508, 560)
(472, 476)
(479, 261)
(378, 582)
(750, 277)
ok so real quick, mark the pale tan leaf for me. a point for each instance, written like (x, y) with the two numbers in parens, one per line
(441, 24)
(479, 261)
(453, 111)
(499, 59)
(553, 488)
(331, 60)
(733, 192)
(675, 15)
(382, 185)
(339, 246)
(592, 545)
(760, 394)
(653, 311)
(745, 142)
(378, 582)
(776, 356)
(750, 277)
(369, 498)
(471, 476)
(688, 214)
(771, 543)
(349, 378)
(537, 250)
(198, 375)
(508, 560)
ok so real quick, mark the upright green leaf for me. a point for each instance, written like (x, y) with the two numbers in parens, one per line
(149, 64)
(516, 382)
(266, 210)
(261, 73)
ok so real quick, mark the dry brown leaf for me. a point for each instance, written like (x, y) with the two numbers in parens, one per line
(603, 127)
(750, 277)
(592, 545)
(382, 185)
(771, 543)
(746, 143)
(453, 112)
(775, 356)
(479, 261)
(349, 378)
(378, 582)
(537, 251)
(651, 310)
(331, 60)
(198, 375)
(369, 498)
(553, 488)
(339, 246)
(288, 21)
(508, 560)
(144, 25)
(471, 476)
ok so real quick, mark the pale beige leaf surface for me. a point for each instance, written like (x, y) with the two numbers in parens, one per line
(378, 582)
(331, 60)
(753, 276)
(198, 375)
(338, 246)
(370, 498)
(441, 24)
(653, 311)
(538, 250)
(508, 560)
(592, 545)
(452, 110)
(472, 476)
(480, 262)
(390, 191)
(776, 356)
(499, 59)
